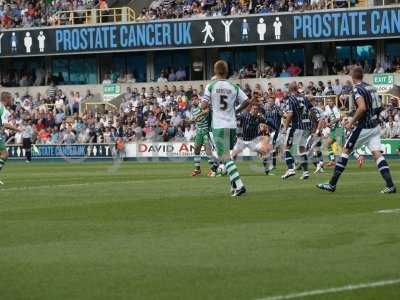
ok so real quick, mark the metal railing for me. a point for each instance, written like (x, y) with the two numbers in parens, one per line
(324, 99)
(99, 106)
(95, 16)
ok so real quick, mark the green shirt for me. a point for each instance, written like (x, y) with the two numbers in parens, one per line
(202, 122)
(2, 115)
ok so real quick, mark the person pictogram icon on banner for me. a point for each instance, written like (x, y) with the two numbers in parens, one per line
(277, 25)
(208, 33)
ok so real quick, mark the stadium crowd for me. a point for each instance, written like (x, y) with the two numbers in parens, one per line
(172, 9)
(320, 67)
(36, 13)
(155, 114)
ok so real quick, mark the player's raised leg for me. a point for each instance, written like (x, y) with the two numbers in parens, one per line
(225, 139)
(384, 169)
(213, 161)
(288, 157)
(197, 158)
(300, 140)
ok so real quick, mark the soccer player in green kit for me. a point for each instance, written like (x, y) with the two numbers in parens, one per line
(336, 135)
(201, 117)
(5, 102)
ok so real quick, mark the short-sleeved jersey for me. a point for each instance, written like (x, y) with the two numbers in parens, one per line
(202, 122)
(300, 107)
(273, 115)
(250, 125)
(223, 97)
(373, 103)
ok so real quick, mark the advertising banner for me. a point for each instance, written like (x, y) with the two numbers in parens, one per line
(64, 151)
(265, 29)
(145, 150)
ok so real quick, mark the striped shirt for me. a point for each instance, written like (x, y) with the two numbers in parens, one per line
(373, 103)
(250, 125)
(201, 122)
(300, 107)
(273, 115)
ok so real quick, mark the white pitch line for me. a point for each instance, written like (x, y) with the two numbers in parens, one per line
(64, 185)
(389, 211)
(345, 288)
(50, 186)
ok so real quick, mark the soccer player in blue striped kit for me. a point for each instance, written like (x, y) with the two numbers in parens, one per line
(365, 131)
(298, 115)
(273, 115)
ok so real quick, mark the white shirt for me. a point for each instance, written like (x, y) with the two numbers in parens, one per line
(318, 61)
(392, 131)
(223, 95)
(337, 88)
(162, 79)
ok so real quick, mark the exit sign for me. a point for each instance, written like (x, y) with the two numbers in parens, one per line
(383, 82)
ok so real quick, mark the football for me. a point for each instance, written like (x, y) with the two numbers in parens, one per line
(221, 169)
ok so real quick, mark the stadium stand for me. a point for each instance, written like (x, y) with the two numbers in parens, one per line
(66, 107)
(152, 113)
(169, 9)
(27, 14)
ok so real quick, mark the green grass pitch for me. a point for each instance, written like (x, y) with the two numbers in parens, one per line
(150, 231)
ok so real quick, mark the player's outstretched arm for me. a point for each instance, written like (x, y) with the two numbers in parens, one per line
(243, 106)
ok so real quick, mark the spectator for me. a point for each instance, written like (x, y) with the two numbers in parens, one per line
(378, 69)
(337, 87)
(345, 95)
(162, 78)
(172, 75)
(107, 79)
(318, 62)
(294, 70)
(181, 74)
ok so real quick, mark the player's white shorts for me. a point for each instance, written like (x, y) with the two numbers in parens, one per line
(280, 138)
(370, 137)
(300, 137)
(253, 145)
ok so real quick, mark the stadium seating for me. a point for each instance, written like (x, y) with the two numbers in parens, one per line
(154, 112)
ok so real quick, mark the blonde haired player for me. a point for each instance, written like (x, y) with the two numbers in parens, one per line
(222, 95)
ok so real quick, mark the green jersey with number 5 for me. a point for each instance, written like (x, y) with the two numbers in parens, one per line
(223, 97)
